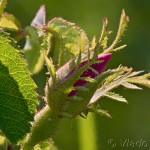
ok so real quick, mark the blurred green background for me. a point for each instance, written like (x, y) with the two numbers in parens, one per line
(130, 122)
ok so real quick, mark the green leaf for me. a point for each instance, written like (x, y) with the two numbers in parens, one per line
(50, 67)
(103, 40)
(141, 80)
(115, 97)
(70, 39)
(93, 43)
(122, 76)
(2, 6)
(32, 49)
(77, 107)
(100, 112)
(35, 41)
(63, 71)
(131, 86)
(17, 96)
(124, 19)
(9, 21)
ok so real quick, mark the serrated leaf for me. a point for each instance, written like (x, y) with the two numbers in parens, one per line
(124, 19)
(104, 31)
(141, 80)
(2, 6)
(9, 21)
(32, 49)
(113, 81)
(17, 96)
(71, 39)
(122, 76)
(116, 97)
(135, 73)
(130, 86)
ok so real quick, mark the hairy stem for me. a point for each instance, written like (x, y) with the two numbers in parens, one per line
(45, 126)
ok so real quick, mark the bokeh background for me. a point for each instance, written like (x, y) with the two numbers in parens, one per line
(130, 122)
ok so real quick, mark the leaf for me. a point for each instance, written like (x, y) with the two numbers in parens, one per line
(2, 6)
(40, 17)
(141, 80)
(32, 49)
(93, 43)
(9, 21)
(51, 68)
(115, 97)
(122, 76)
(124, 19)
(70, 39)
(131, 86)
(17, 96)
(113, 81)
(119, 48)
(135, 73)
(103, 40)
(34, 42)
(63, 71)
(77, 107)
(100, 112)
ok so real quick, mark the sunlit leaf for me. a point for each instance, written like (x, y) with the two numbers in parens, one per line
(2, 6)
(115, 96)
(17, 96)
(9, 21)
(131, 86)
(70, 39)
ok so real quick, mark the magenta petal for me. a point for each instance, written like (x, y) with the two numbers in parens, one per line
(99, 67)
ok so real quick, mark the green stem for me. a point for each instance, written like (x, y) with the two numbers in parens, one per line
(87, 133)
(45, 126)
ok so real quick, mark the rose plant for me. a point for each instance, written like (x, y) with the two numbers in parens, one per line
(77, 77)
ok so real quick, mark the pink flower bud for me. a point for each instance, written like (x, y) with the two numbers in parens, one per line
(98, 67)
